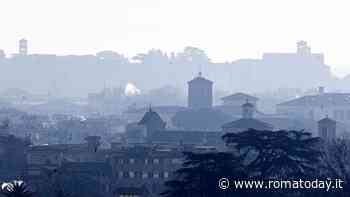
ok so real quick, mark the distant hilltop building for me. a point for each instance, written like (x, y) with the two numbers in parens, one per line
(303, 53)
(200, 93)
(300, 69)
(23, 47)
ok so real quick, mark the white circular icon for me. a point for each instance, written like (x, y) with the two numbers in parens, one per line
(224, 183)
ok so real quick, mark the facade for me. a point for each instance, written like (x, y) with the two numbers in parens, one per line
(144, 166)
(327, 129)
(200, 93)
(315, 107)
(137, 166)
(104, 171)
(135, 133)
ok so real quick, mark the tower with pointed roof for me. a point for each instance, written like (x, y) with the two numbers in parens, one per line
(152, 121)
(200, 92)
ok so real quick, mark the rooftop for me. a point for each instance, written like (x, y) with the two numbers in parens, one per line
(200, 79)
(327, 120)
(240, 96)
(325, 99)
(248, 123)
(150, 116)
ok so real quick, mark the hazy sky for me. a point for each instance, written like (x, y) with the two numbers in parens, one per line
(225, 29)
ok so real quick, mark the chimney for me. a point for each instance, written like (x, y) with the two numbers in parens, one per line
(321, 90)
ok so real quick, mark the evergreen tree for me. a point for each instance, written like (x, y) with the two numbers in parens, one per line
(201, 173)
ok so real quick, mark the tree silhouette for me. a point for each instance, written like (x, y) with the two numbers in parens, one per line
(336, 164)
(200, 174)
(272, 154)
(277, 155)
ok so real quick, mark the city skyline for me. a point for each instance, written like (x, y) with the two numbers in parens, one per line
(234, 30)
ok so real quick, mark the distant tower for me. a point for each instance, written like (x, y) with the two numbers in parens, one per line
(248, 110)
(200, 92)
(303, 48)
(327, 129)
(2, 54)
(23, 47)
(153, 122)
(93, 142)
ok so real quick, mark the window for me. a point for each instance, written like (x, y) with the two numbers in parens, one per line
(156, 161)
(132, 174)
(132, 160)
(146, 161)
(156, 175)
(144, 175)
(121, 161)
(166, 175)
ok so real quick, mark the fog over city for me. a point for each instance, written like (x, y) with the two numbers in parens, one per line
(186, 98)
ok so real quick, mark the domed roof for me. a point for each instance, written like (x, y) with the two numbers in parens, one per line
(200, 80)
(327, 120)
(247, 123)
(247, 104)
